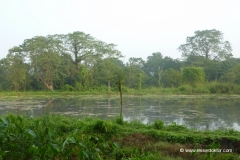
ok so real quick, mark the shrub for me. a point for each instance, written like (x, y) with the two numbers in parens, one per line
(119, 120)
(185, 88)
(220, 88)
(158, 124)
(104, 127)
(68, 88)
(193, 75)
(137, 124)
(201, 89)
(176, 127)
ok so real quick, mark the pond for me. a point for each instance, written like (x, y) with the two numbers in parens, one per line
(198, 112)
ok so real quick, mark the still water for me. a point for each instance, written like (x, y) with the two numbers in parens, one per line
(198, 112)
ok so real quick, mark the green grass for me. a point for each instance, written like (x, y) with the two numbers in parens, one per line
(185, 89)
(60, 137)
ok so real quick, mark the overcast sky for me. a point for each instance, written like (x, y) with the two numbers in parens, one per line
(137, 27)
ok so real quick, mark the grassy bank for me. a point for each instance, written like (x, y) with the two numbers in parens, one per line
(207, 88)
(59, 137)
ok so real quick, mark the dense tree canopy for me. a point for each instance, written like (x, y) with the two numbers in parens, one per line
(134, 72)
(171, 78)
(45, 59)
(233, 75)
(207, 43)
(3, 80)
(49, 61)
(16, 69)
(84, 47)
(78, 62)
(193, 75)
(105, 69)
(153, 68)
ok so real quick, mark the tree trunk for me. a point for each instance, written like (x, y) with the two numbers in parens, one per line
(206, 54)
(76, 65)
(109, 86)
(159, 76)
(49, 86)
(140, 81)
(121, 98)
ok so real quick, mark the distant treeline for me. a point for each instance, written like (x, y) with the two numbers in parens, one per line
(79, 62)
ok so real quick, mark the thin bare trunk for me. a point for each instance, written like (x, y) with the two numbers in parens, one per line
(109, 86)
(109, 102)
(121, 98)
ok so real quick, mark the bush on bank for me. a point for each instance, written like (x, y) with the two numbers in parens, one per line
(185, 89)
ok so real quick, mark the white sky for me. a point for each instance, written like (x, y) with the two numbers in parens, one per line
(138, 27)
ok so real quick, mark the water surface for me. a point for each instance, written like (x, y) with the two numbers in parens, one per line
(198, 112)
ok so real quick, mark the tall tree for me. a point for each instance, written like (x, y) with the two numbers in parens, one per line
(135, 72)
(84, 47)
(211, 67)
(105, 70)
(4, 82)
(16, 68)
(153, 68)
(45, 59)
(207, 43)
(168, 62)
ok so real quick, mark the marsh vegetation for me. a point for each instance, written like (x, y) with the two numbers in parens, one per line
(60, 137)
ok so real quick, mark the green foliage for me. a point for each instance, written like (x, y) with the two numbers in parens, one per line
(54, 136)
(119, 120)
(193, 75)
(207, 43)
(212, 87)
(59, 137)
(202, 88)
(171, 78)
(104, 127)
(140, 81)
(104, 71)
(174, 127)
(3, 76)
(84, 47)
(153, 68)
(135, 76)
(233, 75)
(220, 88)
(77, 62)
(136, 124)
(45, 59)
(67, 87)
(185, 88)
(158, 124)
(16, 68)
